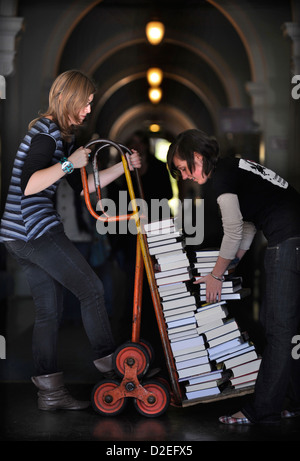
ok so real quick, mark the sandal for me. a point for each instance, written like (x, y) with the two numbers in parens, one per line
(234, 421)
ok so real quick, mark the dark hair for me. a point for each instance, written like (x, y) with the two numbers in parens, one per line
(186, 144)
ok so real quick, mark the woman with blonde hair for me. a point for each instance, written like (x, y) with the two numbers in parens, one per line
(33, 234)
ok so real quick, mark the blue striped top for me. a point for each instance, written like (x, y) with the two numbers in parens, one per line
(29, 217)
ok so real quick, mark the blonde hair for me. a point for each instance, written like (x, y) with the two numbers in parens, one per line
(69, 93)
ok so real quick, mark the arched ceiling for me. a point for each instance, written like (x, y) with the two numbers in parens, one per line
(204, 71)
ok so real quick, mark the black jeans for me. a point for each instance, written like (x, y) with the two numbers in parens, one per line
(52, 262)
(279, 374)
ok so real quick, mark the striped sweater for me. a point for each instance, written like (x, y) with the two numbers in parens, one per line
(29, 217)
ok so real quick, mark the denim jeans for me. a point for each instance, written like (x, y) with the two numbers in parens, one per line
(52, 262)
(279, 374)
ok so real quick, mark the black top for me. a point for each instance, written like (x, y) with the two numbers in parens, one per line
(265, 199)
(40, 156)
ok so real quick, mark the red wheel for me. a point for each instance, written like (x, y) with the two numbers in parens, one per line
(102, 401)
(131, 354)
(149, 349)
(158, 405)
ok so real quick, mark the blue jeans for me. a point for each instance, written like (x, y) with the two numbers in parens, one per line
(279, 374)
(52, 262)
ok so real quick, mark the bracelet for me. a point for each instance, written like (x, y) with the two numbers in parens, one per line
(221, 279)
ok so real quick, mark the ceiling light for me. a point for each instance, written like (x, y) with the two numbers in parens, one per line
(154, 128)
(154, 76)
(155, 31)
(155, 95)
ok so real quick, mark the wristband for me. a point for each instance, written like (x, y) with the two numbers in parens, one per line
(221, 279)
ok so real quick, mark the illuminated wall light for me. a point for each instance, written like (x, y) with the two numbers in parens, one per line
(154, 128)
(154, 76)
(155, 95)
(155, 31)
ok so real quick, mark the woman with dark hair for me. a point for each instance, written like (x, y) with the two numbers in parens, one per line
(252, 197)
(33, 234)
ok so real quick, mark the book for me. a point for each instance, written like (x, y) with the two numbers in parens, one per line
(202, 393)
(179, 302)
(185, 373)
(186, 346)
(219, 349)
(187, 310)
(246, 368)
(191, 355)
(209, 326)
(224, 339)
(206, 377)
(176, 278)
(226, 296)
(181, 322)
(171, 273)
(168, 223)
(192, 362)
(201, 386)
(166, 248)
(239, 358)
(227, 327)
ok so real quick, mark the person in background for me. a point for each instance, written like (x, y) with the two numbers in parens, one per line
(33, 234)
(252, 197)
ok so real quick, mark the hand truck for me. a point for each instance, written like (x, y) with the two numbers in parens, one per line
(131, 360)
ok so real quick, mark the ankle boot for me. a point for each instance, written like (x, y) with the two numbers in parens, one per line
(52, 394)
(105, 366)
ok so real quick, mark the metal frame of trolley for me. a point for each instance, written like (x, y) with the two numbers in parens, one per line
(131, 360)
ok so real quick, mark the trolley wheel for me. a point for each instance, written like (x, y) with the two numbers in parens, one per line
(102, 403)
(149, 349)
(131, 354)
(160, 404)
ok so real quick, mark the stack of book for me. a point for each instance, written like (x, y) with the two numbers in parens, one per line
(210, 352)
(203, 262)
(166, 244)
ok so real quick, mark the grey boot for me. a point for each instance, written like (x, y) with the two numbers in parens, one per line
(52, 394)
(105, 366)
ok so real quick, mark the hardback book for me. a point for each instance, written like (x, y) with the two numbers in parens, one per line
(210, 326)
(240, 358)
(230, 296)
(189, 372)
(166, 248)
(246, 368)
(176, 278)
(224, 339)
(242, 347)
(171, 273)
(186, 334)
(225, 290)
(201, 386)
(159, 225)
(176, 264)
(191, 355)
(219, 349)
(174, 296)
(215, 375)
(181, 322)
(227, 327)
(187, 345)
(171, 313)
(160, 237)
(202, 393)
(179, 302)
(192, 362)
